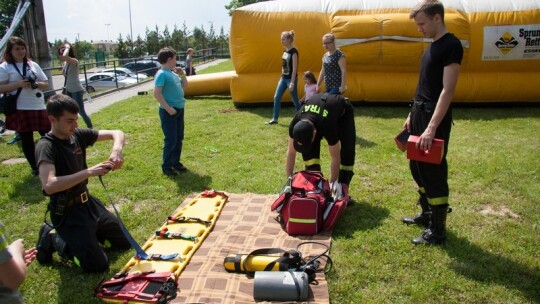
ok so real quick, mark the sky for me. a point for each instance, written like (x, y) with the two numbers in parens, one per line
(105, 19)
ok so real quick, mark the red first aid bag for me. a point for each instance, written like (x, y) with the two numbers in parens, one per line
(302, 202)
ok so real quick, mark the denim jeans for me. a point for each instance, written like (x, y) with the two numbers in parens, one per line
(332, 90)
(78, 97)
(173, 132)
(283, 85)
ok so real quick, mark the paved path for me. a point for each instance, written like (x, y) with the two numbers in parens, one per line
(106, 100)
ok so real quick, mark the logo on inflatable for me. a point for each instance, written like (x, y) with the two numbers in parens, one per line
(506, 43)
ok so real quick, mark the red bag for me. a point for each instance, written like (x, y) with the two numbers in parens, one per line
(334, 210)
(302, 202)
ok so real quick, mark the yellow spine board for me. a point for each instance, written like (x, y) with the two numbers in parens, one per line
(201, 207)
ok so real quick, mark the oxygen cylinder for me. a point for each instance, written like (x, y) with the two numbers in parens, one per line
(280, 286)
(235, 263)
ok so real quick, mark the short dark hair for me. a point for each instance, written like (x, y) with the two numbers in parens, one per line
(428, 7)
(165, 53)
(60, 102)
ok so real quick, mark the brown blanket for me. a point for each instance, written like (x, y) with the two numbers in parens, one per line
(245, 224)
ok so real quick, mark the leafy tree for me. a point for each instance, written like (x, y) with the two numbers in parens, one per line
(239, 3)
(139, 47)
(121, 48)
(7, 12)
(166, 41)
(177, 38)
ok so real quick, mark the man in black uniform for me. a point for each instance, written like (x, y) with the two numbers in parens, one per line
(431, 117)
(330, 116)
(83, 225)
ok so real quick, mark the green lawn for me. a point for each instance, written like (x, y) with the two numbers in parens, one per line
(492, 254)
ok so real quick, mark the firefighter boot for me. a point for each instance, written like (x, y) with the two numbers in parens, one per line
(436, 233)
(421, 219)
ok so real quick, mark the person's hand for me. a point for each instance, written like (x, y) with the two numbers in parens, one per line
(291, 86)
(336, 190)
(23, 83)
(117, 159)
(101, 169)
(179, 71)
(30, 255)
(317, 90)
(342, 88)
(171, 111)
(407, 124)
(425, 140)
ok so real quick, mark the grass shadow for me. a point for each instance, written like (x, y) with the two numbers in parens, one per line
(188, 182)
(359, 216)
(27, 189)
(471, 261)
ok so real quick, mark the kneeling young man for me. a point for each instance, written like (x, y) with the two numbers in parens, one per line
(83, 225)
(330, 116)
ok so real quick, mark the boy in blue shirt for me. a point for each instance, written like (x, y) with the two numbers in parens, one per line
(170, 83)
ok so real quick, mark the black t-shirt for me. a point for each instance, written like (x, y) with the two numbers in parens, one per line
(442, 52)
(287, 63)
(68, 156)
(324, 115)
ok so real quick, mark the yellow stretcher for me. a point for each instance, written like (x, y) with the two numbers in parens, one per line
(154, 280)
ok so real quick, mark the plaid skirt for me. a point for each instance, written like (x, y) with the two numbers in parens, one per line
(28, 121)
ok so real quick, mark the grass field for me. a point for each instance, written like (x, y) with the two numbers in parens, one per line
(493, 250)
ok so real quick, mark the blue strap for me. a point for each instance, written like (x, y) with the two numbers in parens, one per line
(141, 255)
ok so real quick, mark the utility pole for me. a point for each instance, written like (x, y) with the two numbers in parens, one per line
(35, 33)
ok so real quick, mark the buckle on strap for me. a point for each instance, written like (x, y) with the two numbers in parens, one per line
(84, 197)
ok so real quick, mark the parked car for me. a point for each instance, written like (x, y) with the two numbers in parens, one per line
(124, 72)
(104, 81)
(147, 67)
(180, 63)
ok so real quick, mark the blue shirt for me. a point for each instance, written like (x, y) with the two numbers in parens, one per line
(172, 88)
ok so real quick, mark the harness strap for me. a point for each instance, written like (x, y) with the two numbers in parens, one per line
(183, 219)
(164, 234)
(141, 255)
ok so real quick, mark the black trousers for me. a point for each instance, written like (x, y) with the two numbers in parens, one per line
(347, 138)
(431, 177)
(86, 228)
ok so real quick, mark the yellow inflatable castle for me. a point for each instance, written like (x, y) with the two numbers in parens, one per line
(501, 41)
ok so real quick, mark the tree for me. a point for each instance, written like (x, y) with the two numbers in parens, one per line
(166, 41)
(7, 12)
(239, 3)
(121, 48)
(177, 39)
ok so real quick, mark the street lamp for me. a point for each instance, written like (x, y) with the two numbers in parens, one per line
(107, 25)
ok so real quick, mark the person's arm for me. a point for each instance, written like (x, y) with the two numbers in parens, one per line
(182, 74)
(450, 77)
(190, 67)
(291, 158)
(335, 155)
(162, 102)
(118, 138)
(320, 79)
(13, 272)
(65, 56)
(6, 86)
(342, 62)
(294, 70)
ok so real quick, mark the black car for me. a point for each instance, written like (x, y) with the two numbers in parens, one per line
(147, 67)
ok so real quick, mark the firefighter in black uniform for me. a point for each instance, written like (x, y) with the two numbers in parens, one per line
(431, 117)
(83, 225)
(330, 116)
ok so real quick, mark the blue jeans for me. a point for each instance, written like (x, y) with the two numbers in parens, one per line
(283, 85)
(173, 132)
(78, 97)
(332, 90)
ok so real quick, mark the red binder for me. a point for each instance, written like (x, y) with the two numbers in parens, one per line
(434, 155)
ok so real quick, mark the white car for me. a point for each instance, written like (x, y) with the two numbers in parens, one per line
(125, 73)
(106, 81)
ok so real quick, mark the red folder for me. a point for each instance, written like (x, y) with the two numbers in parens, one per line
(434, 155)
(401, 139)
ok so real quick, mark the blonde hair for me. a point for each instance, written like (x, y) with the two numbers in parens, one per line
(329, 36)
(288, 34)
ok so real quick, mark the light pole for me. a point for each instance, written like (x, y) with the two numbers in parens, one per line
(130, 27)
(107, 26)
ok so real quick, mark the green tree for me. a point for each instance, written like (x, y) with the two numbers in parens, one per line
(166, 41)
(121, 48)
(239, 3)
(7, 12)
(139, 47)
(177, 39)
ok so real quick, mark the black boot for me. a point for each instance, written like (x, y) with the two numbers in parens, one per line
(436, 233)
(421, 219)
(48, 242)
